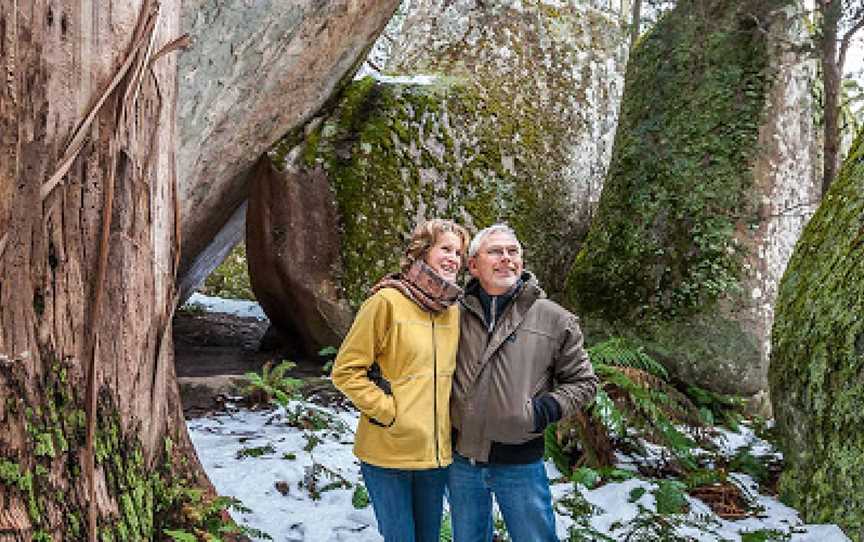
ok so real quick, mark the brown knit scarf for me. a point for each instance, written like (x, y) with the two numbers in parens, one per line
(422, 285)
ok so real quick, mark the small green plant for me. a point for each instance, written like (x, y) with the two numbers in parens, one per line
(256, 451)
(765, 535)
(193, 309)
(312, 440)
(586, 476)
(328, 353)
(272, 385)
(580, 510)
(670, 497)
(717, 408)
(315, 474)
(636, 493)
(202, 517)
(360, 497)
(446, 528)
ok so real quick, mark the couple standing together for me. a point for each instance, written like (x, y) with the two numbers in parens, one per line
(455, 390)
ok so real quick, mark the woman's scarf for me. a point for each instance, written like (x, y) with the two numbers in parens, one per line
(422, 285)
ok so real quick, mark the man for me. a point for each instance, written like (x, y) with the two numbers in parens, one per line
(520, 366)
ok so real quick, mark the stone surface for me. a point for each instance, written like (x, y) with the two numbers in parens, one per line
(292, 248)
(818, 359)
(503, 140)
(711, 180)
(254, 72)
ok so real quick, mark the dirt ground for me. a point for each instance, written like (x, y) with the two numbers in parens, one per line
(213, 351)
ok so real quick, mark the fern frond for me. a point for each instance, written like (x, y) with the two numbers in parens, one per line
(620, 352)
(643, 400)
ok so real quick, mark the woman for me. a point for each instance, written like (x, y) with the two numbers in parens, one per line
(396, 365)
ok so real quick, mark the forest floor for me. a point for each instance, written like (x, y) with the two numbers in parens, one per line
(293, 470)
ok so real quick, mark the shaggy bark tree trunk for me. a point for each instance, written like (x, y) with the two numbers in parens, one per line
(831, 77)
(88, 399)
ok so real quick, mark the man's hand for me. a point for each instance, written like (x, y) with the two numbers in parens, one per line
(546, 411)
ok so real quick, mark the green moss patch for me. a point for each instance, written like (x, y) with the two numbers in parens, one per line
(663, 242)
(817, 362)
(662, 261)
(397, 153)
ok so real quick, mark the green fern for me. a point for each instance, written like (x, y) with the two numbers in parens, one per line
(717, 408)
(620, 352)
(272, 385)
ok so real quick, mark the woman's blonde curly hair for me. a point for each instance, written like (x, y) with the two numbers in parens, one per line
(426, 234)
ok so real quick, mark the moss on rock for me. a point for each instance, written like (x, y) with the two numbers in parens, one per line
(397, 153)
(515, 130)
(231, 278)
(664, 247)
(818, 359)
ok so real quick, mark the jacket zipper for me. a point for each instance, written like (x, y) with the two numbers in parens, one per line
(435, 392)
(492, 314)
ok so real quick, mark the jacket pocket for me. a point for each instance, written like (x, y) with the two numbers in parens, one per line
(516, 426)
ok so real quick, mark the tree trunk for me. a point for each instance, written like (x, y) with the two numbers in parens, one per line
(635, 22)
(88, 399)
(831, 76)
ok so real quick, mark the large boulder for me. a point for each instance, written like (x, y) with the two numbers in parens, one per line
(817, 364)
(710, 184)
(291, 273)
(523, 139)
(254, 71)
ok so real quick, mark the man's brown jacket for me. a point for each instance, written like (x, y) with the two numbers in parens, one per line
(535, 347)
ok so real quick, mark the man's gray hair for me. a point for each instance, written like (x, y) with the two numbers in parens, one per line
(486, 232)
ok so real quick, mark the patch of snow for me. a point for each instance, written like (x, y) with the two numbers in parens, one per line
(296, 516)
(236, 307)
(424, 80)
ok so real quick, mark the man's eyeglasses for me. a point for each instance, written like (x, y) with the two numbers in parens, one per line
(498, 252)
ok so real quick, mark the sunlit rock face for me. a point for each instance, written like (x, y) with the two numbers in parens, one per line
(712, 179)
(563, 60)
(253, 72)
(818, 360)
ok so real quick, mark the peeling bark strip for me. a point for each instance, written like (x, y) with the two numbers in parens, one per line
(149, 16)
(88, 201)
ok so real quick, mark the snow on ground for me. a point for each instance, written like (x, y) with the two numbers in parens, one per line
(237, 307)
(294, 469)
(227, 443)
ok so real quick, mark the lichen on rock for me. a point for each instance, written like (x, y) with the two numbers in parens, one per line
(664, 257)
(818, 359)
(509, 131)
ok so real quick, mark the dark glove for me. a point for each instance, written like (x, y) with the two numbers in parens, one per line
(374, 374)
(546, 411)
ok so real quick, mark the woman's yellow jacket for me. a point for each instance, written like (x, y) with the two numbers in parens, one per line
(416, 352)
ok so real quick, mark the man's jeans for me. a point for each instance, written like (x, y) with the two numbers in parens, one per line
(407, 503)
(522, 493)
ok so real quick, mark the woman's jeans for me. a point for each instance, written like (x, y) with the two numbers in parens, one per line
(522, 493)
(407, 503)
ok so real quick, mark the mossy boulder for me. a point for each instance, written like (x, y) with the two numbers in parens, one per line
(511, 141)
(675, 256)
(817, 362)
